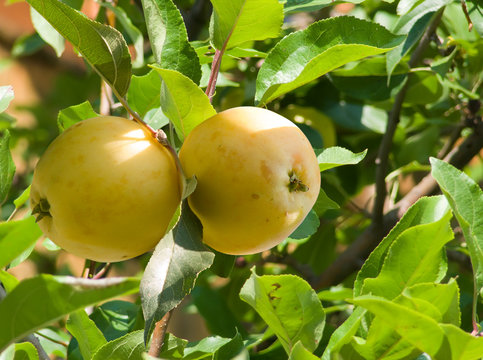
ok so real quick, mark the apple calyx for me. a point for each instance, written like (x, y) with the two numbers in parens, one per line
(295, 184)
(41, 210)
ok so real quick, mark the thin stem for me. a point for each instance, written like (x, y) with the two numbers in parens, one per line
(103, 271)
(51, 339)
(465, 11)
(215, 69)
(106, 99)
(158, 335)
(474, 307)
(92, 269)
(12, 214)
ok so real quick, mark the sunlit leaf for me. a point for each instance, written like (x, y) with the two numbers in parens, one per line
(29, 306)
(305, 55)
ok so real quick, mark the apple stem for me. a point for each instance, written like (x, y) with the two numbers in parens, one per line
(295, 184)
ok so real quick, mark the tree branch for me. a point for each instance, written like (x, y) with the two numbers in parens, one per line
(158, 335)
(352, 258)
(382, 159)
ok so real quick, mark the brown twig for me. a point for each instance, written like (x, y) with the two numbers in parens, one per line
(382, 159)
(467, 15)
(158, 335)
(351, 259)
(102, 272)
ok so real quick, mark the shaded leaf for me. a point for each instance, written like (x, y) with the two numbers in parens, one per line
(132, 31)
(30, 307)
(7, 166)
(144, 92)
(22, 199)
(85, 331)
(324, 203)
(27, 45)
(20, 351)
(17, 237)
(183, 102)
(305, 55)
(74, 114)
(344, 333)
(8, 281)
(169, 39)
(337, 156)
(173, 268)
(308, 226)
(102, 46)
(127, 347)
(289, 306)
(466, 200)
(238, 21)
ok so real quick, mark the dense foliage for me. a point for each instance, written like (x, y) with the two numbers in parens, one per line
(389, 262)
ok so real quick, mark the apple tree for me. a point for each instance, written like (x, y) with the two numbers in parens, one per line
(386, 261)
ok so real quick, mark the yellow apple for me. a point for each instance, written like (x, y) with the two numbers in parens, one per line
(258, 177)
(105, 189)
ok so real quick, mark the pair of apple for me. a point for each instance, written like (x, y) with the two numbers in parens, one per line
(106, 189)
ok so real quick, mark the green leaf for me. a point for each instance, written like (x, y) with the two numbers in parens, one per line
(47, 32)
(20, 351)
(205, 347)
(127, 347)
(102, 46)
(460, 345)
(87, 334)
(443, 65)
(475, 10)
(416, 256)
(16, 237)
(424, 87)
(299, 352)
(75, 113)
(144, 93)
(6, 96)
(27, 45)
(183, 102)
(305, 55)
(173, 268)
(218, 317)
(22, 199)
(8, 281)
(169, 39)
(337, 156)
(415, 327)
(7, 166)
(173, 347)
(344, 333)
(408, 20)
(30, 305)
(324, 203)
(466, 200)
(289, 306)
(132, 31)
(238, 21)
(426, 210)
(234, 349)
(413, 23)
(308, 227)
(445, 297)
